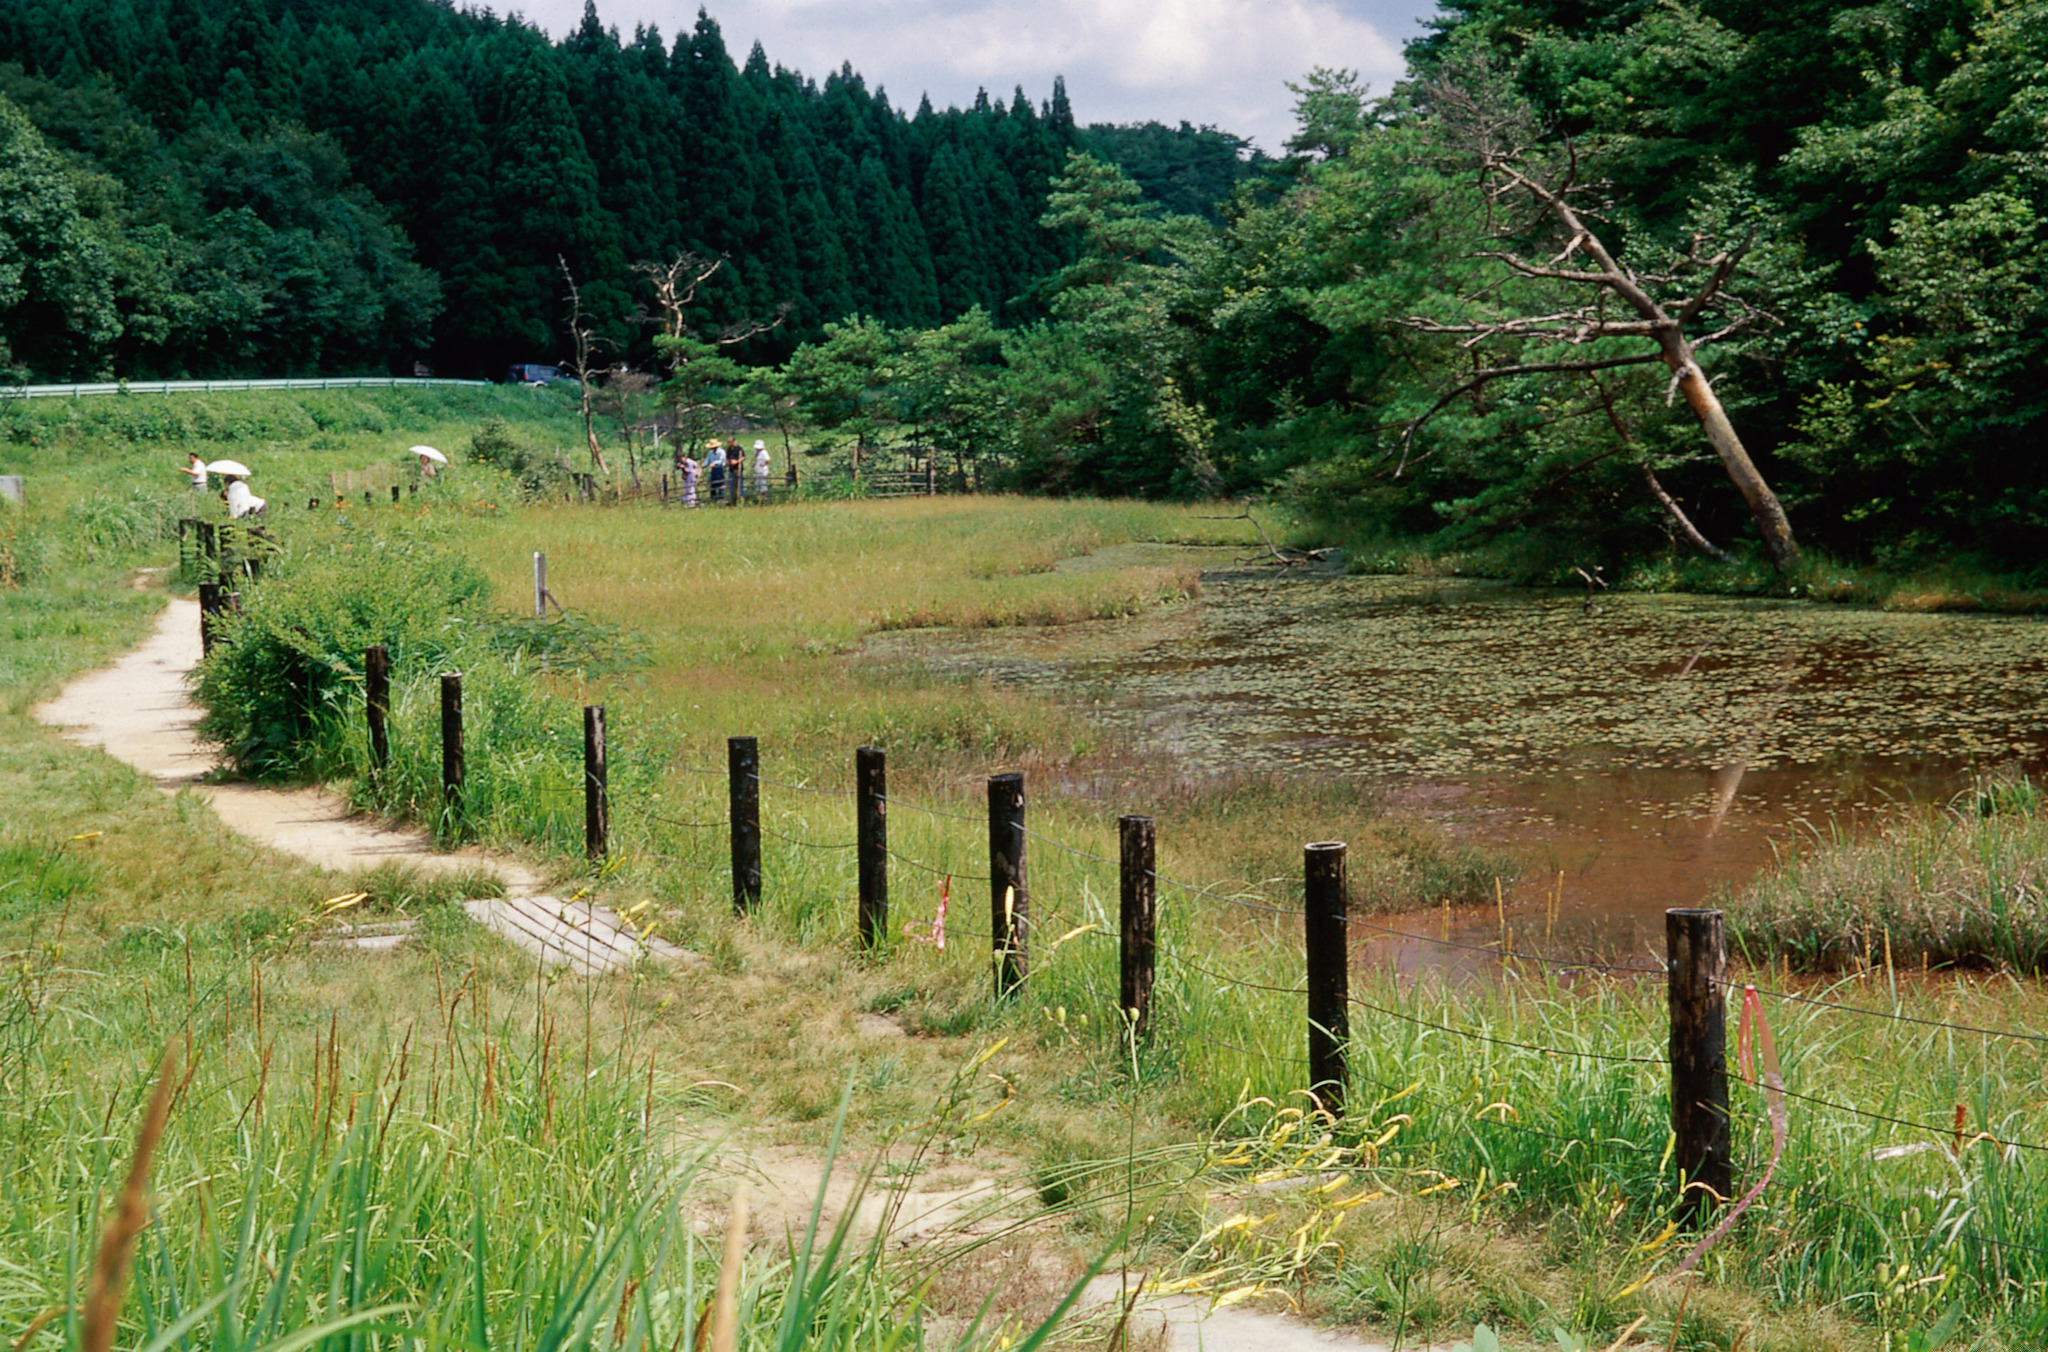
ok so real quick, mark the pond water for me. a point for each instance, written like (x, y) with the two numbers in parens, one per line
(1653, 753)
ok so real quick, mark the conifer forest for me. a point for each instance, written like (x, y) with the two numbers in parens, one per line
(1598, 279)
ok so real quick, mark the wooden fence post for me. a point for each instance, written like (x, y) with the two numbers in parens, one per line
(871, 831)
(377, 704)
(1697, 944)
(540, 585)
(209, 606)
(1009, 924)
(1327, 941)
(597, 808)
(451, 753)
(1140, 903)
(743, 797)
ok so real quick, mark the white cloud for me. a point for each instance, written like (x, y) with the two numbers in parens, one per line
(1224, 62)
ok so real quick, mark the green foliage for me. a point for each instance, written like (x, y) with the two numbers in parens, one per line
(287, 675)
(1184, 170)
(258, 189)
(537, 471)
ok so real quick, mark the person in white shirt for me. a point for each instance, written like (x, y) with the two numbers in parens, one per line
(242, 502)
(197, 471)
(760, 469)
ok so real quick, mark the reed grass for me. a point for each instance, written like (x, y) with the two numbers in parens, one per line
(1962, 885)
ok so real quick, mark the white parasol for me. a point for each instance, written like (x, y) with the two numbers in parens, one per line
(429, 453)
(228, 467)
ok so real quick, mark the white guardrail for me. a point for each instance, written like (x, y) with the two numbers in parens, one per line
(222, 386)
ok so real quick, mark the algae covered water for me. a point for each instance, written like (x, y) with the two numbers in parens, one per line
(1654, 750)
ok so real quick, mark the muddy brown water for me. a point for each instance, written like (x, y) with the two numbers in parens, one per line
(1656, 752)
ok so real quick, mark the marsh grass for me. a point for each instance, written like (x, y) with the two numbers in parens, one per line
(1963, 885)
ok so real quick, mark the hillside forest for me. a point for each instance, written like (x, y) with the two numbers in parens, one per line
(1596, 281)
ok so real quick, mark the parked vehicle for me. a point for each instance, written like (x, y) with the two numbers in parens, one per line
(532, 373)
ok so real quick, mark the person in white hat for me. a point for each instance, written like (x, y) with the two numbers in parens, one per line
(241, 502)
(760, 469)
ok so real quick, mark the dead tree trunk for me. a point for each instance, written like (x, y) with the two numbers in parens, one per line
(1507, 174)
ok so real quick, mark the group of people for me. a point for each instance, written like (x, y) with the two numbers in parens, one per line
(241, 500)
(725, 466)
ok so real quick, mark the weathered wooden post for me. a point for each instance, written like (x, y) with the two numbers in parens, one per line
(394, 495)
(1140, 903)
(1328, 945)
(871, 831)
(377, 704)
(540, 585)
(209, 606)
(1697, 945)
(451, 753)
(743, 800)
(1009, 923)
(597, 806)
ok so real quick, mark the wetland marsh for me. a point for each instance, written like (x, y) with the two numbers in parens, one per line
(1655, 752)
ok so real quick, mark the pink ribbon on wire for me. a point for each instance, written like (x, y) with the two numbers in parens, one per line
(935, 933)
(1774, 1097)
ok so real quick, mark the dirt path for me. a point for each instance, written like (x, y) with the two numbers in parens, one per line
(139, 711)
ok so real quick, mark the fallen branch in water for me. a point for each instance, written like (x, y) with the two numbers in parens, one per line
(1286, 557)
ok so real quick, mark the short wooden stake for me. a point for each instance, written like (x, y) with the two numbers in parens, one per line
(743, 799)
(1009, 923)
(540, 585)
(451, 753)
(597, 808)
(1327, 942)
(377, 704)
(394, 495)
(871, 831)
(1697, 943)
(1140, 905)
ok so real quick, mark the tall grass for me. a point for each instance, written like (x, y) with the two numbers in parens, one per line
(470, 1180)
(1963, 885)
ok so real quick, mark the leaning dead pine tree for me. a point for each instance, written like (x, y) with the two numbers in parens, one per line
(1576, 307)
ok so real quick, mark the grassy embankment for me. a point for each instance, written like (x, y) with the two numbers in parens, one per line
(1958, 585)
(1548, 1170)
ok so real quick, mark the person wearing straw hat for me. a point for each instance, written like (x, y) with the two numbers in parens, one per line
(760, 469)
(714, 466)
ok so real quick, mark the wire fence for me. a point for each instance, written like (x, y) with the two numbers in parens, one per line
(1006, 840)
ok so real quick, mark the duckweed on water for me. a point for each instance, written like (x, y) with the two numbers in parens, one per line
(1434, 678)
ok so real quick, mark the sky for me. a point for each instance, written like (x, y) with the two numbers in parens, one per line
(1219, 62)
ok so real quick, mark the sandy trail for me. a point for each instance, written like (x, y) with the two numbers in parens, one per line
(139, 712)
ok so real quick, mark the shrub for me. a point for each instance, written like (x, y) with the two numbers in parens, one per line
(290, 666)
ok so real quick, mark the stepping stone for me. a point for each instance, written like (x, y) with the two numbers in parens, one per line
(374, 935)
(590, 940)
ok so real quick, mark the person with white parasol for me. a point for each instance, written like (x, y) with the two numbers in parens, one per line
(237, 495)
(429, 457)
